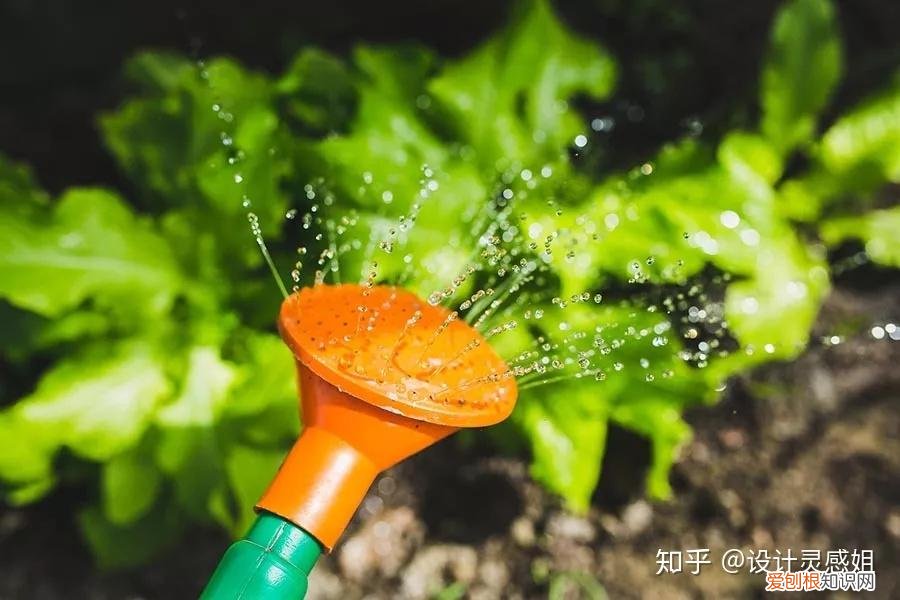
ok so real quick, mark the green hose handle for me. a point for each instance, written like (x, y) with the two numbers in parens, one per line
(272, 562)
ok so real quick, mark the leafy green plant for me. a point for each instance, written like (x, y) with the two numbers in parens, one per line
(157, 372)
(164, 379)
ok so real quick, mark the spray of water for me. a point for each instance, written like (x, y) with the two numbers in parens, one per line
(499, 289)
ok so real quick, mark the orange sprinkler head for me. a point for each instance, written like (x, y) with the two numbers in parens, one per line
(383, 375)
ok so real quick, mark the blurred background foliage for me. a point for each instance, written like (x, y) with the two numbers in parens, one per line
(139, 357)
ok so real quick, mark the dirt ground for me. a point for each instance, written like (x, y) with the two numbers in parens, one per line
(797, 456)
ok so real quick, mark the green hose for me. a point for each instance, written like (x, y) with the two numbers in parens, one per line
(271, 562)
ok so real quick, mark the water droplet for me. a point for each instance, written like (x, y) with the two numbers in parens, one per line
(611, 221)
(730, 219)
(750, 237)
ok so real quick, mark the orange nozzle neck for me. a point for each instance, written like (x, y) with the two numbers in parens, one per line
(343, 447)
(383, 375)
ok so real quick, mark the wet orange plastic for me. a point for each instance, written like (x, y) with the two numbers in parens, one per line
(344, 445)
(386, 346)
(383, 375)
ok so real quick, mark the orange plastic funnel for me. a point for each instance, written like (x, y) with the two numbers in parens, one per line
(383, 375)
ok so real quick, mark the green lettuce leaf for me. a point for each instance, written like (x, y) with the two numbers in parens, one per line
(635, 377)
(802, 68)
(130, 484)
(398, 166)
(91, 246)
(863, 144)
(204, 391)
(568, 439)
(509, 98)
(96, 405)
(878, 230)
(318, 91)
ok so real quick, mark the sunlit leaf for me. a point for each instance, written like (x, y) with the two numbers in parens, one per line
(97, 405)
(865, 143)
(568, 438)
(130, 484)
(509, 97)
(878, 230)
(802, 67)
(91, 246)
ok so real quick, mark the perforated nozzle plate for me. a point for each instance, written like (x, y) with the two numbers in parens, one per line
(387, 347)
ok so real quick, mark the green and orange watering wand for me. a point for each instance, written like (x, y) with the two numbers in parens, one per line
(383, 375)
